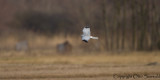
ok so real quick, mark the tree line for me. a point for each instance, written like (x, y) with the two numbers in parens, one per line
(123, 24)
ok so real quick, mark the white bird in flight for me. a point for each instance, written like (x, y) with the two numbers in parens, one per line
(87, 34)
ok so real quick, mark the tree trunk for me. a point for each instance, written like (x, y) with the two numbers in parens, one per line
(152, 30)
(112, 38)
(123, 29)
(143, 24)
(133, 25)
(117, 7)
(104, 23)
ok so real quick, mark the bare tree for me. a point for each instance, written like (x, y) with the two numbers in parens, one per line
(123, 25)
(104, 23)
(143, 24)
(117, 5)
(133, 23)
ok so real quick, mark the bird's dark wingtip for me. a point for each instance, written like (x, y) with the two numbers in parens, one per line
(85, 41)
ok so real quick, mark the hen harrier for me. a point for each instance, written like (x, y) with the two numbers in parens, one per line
(87, 34)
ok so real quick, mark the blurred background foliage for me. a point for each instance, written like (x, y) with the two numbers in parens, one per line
(121, 24)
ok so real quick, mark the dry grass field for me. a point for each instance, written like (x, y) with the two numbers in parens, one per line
(43, 40)
(132, 66)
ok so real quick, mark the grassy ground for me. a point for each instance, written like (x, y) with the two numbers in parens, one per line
(84, 58)
(80, 67)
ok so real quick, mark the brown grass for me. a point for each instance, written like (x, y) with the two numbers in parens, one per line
(93, 66)
(123, 58)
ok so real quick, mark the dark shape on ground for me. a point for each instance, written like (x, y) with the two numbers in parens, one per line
(152, 64)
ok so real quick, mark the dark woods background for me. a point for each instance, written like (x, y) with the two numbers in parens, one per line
(123, 24)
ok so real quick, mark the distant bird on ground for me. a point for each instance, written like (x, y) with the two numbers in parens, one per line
(22, 46)
(152, 64)
(87, 34)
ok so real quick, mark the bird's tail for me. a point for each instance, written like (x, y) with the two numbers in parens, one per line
(93, 37)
